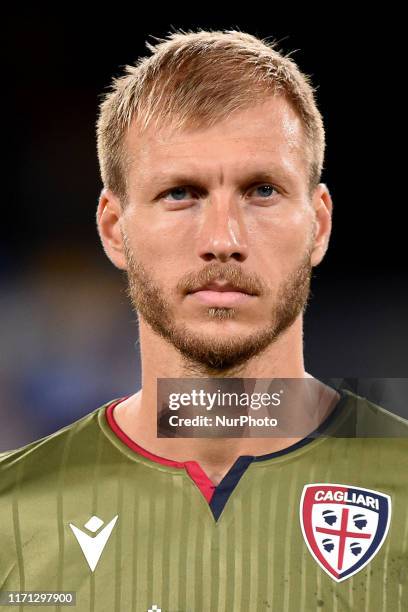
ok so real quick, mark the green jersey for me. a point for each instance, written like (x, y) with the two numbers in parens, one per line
(321, 525)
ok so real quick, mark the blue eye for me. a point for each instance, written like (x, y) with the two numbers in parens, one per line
(182, 193)
(179, 191)
(267, 190)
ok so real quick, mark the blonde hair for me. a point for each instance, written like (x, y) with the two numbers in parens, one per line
(193, 80)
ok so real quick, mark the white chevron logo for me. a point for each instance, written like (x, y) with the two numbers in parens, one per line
(92, 546)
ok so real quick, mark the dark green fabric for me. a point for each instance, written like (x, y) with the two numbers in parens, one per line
(167, 549)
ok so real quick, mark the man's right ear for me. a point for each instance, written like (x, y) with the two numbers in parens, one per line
(108, 220)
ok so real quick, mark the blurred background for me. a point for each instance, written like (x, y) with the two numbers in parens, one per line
(69, 340)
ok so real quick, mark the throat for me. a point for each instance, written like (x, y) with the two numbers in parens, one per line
(216, 473)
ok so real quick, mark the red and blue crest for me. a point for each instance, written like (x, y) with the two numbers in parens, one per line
(344, 526)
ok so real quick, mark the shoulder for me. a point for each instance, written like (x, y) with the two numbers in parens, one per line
(42, 457)
(373, 420)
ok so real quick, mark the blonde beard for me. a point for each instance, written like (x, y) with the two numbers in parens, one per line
(204, 355)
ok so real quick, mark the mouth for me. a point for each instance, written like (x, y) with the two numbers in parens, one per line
(221, 295)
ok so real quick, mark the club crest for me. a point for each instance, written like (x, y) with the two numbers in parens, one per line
(344, 526)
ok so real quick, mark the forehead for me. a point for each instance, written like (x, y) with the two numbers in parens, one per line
(270, 132)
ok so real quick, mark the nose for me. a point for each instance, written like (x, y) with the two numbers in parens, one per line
(223, 235)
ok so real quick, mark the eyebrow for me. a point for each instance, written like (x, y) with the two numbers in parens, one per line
(270, 175)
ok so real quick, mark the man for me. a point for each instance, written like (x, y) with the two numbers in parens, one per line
(211, 153)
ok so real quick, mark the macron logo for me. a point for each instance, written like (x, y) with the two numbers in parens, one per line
(92, 546)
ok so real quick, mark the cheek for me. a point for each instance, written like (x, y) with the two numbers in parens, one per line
(283, 237)
(164, 239)
(160, 250)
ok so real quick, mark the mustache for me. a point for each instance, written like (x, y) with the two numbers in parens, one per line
(231, 274)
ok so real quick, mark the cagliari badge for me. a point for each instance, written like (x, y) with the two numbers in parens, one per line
(344, 526)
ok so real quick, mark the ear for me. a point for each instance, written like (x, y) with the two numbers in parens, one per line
(108, 219)
(323, 207)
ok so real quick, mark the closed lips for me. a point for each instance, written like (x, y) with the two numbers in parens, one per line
(222, 288)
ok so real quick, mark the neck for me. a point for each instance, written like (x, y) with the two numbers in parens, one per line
(137, 415)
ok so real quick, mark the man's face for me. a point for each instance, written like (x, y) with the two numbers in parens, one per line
(229, 203)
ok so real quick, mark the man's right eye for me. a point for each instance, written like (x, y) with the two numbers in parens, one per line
(178, 193)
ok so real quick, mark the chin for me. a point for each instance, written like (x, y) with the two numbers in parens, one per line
(219, 327)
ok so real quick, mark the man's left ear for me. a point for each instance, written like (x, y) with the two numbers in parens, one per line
(323, 207)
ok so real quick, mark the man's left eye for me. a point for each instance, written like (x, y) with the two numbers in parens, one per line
(265, 190)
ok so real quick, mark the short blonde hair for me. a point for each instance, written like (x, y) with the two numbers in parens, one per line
(193, 80)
